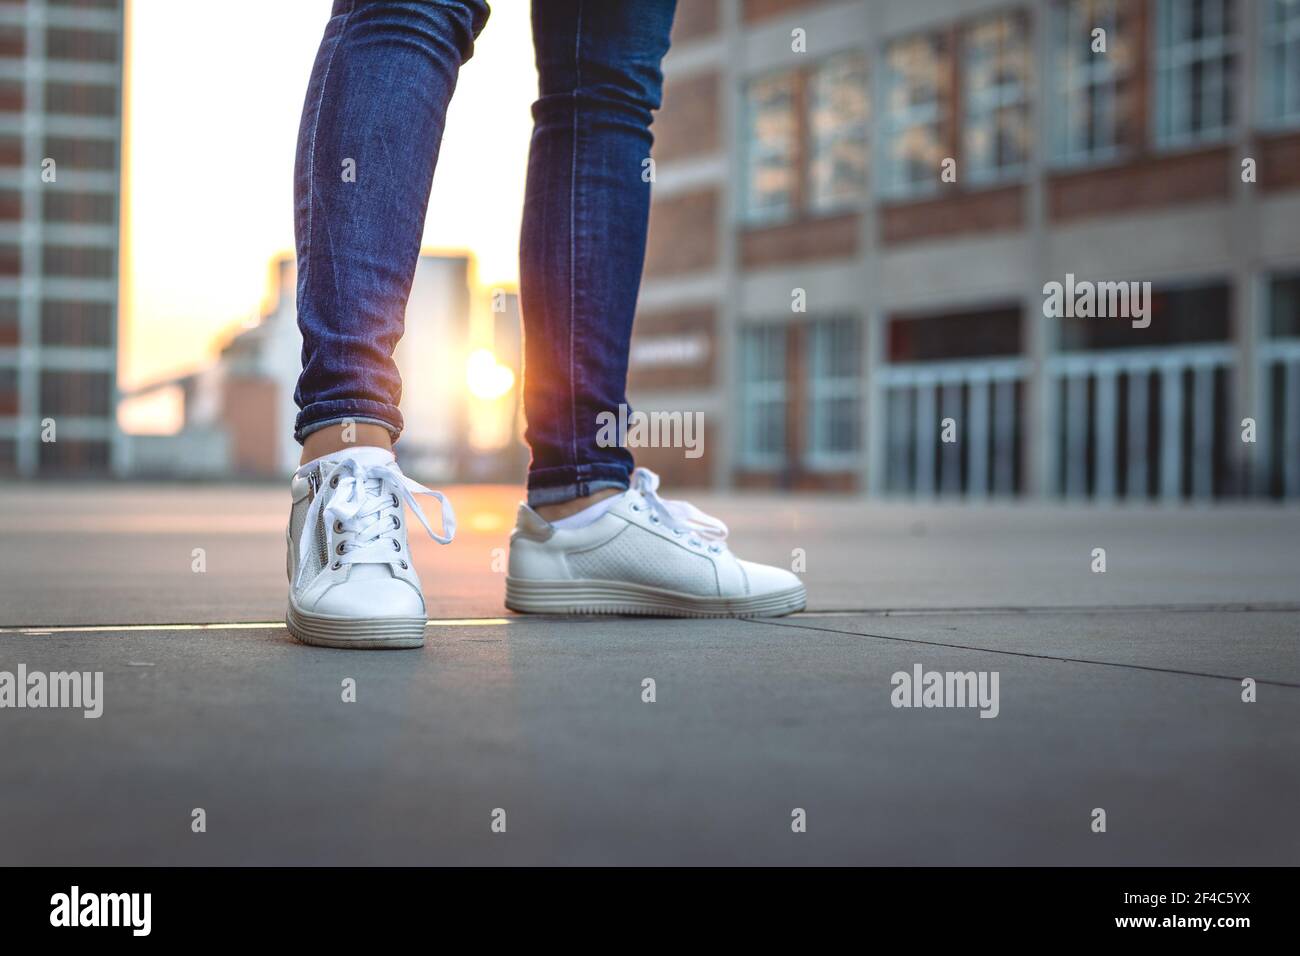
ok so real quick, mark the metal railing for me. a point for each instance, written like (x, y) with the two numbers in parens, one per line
(984, 400)
(1122, 424)
(1140, 423)
(1278, 434)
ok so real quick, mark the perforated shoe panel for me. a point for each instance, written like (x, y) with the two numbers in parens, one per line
(642, 557)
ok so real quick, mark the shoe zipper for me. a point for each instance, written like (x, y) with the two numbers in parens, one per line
(322, 550)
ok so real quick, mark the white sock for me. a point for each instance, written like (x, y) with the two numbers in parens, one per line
(587, 515)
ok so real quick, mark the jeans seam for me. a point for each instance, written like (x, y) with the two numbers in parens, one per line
(311, 152)
(573, 255)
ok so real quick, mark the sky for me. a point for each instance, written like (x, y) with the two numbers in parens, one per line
(214, 93)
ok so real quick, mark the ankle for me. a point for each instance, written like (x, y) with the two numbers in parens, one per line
(563, 509)
(345, 436)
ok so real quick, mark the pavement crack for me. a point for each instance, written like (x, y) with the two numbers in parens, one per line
(1231, 608)
(1028, 654)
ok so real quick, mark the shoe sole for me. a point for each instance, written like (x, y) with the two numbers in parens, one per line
(377, 633)
(613, 597)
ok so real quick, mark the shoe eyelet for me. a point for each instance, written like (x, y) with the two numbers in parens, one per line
(338, 527)
(654, 519)
(636, 507)
(715, 549)
(396, 502)
(340, 549)
(396, 546)
(334, 482)
(336, 565)
(405, 566)
(397, 522)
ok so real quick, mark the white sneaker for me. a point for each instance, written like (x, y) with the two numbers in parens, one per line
(644, 555)
(351, 579)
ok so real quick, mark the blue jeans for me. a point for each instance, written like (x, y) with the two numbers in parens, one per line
(379, 91)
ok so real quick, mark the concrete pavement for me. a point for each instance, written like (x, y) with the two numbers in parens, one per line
(126, 553)
(1120, 691)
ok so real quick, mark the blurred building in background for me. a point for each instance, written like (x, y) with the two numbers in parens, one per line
(60, 134)
(494, 377)
(236, 416)
(431, 358)
(828, 298)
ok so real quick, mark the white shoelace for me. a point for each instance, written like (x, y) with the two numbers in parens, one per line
(358, 507)
(681, 517)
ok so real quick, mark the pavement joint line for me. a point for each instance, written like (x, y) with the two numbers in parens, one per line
(1043, 657)
(33, 631)
(38, 630)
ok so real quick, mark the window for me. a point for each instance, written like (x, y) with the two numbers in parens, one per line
(84, 45)
(985, 333)
(833, 387)
(11, 205)
(1284, 307)
(76, 207)
(915, 111)
(13, 40)
(11, 96)
(1280, 75)
(771, 145)
(1181, 316)
(839, 114)
(9, 322)
(11, 259)
(76, 323)
(996, 89)
(1094, 105)
(1196, 51)
(8, 391)
(81, 153)
(81, 99)
(73, 456)
(76, 393)
(762, 384)
(79, 262)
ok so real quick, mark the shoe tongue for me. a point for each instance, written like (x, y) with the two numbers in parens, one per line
(367, 456)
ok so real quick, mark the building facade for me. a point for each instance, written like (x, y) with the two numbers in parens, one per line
(60, 136)
(860, 207)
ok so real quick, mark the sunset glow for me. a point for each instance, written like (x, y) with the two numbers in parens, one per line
(211, 129)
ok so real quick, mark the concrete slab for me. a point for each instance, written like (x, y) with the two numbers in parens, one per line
(545, 719)
(1260, 644)
(124, 554)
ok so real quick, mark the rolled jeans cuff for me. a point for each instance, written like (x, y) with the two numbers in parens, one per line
(318, 415)
(553, 486)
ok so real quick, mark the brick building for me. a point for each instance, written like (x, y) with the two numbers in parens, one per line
(829, 298)
(60, 130)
